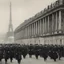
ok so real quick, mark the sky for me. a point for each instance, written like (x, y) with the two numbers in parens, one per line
(21, 10)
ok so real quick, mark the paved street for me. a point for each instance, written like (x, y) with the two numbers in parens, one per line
(34, 61)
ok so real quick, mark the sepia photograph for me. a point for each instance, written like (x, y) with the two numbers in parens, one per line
(31, 31)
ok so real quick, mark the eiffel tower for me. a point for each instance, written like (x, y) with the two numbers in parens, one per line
(10, 33)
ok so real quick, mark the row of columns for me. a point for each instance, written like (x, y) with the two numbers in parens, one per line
(44, 26)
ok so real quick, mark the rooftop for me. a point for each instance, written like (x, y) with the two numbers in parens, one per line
(49, 7)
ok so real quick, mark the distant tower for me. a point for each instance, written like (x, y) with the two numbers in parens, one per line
(10, 33)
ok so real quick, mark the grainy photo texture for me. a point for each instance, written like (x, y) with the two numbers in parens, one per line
(31, 31)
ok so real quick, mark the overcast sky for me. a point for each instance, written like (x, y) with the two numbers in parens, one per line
(21, 10)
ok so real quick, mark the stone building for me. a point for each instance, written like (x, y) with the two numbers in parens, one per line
(46, 27)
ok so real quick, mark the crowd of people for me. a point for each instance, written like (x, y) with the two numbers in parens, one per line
(17, 51)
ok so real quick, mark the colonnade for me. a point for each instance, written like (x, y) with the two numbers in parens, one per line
(46, 25)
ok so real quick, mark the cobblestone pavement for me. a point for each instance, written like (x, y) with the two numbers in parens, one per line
(33, 60)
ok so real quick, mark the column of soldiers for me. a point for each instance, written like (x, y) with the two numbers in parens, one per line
(17, 51)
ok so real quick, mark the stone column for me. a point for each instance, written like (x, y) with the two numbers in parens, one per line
(56, 22)
(28, 31)
(25, 32)
(59, 20)
(43, 26)
(60, 2)
(48, 24)
(40, 27)
(31, 29)
(52, 22)
(36, 28)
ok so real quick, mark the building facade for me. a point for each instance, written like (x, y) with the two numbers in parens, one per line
(46, 27)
